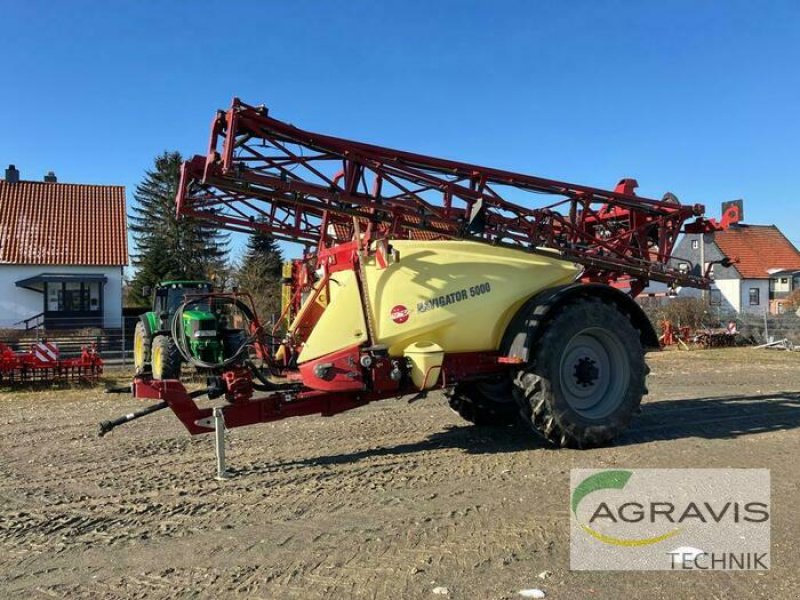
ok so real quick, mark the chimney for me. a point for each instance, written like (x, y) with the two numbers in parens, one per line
(50, 177)
(12, 174)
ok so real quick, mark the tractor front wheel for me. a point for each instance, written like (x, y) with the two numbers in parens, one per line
(586, 377)
(166, 358)
(141, 348)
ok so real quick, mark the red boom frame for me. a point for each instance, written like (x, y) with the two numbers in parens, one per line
(262, 173)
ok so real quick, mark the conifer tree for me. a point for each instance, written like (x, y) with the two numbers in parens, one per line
(169, 247)
(260, 274)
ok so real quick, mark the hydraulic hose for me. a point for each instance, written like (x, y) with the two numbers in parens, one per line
(106, 426)
(264, 385)
(179, 334)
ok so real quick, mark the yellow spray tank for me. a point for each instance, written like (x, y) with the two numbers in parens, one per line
(458, 295)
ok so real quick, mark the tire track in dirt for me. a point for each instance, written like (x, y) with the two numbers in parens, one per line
(384, 502)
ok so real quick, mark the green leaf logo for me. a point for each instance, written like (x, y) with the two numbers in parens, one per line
(610, 480)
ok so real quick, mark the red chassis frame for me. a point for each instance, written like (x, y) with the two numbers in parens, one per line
(284, 404)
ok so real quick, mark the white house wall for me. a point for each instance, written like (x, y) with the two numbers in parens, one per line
(728, 289)
(763, 286)
(778, 287)
(731, 294)
(17, 303)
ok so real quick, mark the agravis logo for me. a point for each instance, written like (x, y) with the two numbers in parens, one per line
(634, 519)
(613, 480)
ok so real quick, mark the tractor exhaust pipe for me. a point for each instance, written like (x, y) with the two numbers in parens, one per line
(107, 426)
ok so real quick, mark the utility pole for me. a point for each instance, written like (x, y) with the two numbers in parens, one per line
(703, 262)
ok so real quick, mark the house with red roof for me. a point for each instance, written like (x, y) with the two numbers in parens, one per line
(63, 247)
(766, 271)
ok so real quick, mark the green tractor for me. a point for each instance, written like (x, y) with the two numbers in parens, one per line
(154, 347)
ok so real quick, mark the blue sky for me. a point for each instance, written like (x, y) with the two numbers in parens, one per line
(698, 98)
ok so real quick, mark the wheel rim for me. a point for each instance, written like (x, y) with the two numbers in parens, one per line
(156, 361)
(594, 373)
(138, 352)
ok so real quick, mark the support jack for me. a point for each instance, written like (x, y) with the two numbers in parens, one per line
(219, 445)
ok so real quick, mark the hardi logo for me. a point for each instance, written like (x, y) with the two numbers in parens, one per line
(646, 519)
(399, 314)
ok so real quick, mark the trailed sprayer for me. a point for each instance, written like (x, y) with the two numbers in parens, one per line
(513, 294)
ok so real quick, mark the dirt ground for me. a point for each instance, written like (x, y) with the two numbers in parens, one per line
(388, 501)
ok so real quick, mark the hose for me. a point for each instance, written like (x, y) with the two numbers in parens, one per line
(179, 334)
(106, 426)
(264, 385)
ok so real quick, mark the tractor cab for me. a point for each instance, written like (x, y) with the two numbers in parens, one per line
(170, 295)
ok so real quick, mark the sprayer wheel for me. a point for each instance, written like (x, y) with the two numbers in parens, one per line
(587, 376)
(141, 348)
(484, 403)
(166, 359)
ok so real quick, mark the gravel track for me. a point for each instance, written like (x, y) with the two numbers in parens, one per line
(387, 501)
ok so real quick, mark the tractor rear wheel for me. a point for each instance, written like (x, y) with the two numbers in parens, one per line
(484, 403)
(586, 377)
(166, 358)
(141, 348)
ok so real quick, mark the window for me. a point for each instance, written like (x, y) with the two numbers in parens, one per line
(73, 296)
(695, 244)
(755, 296)
(716, 298)
(53, 296)
(94, 295)
(784, 280)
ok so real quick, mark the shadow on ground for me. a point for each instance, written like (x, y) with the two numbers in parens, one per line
(717, 417)
(476, 440)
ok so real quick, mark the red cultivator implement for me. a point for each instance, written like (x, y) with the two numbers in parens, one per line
(43, 362)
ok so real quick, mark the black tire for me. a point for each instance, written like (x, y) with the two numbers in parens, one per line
(141, 348)
(166, 359)
(484, 403)
(586, 377)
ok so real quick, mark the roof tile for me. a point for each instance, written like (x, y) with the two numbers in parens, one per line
(759, 248)
(62, 224)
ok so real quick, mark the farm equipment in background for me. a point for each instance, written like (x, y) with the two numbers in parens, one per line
(717, 337)
(203, 331)
(217, 333)
(706, 337)
(423, 273)
(43, 363)
(298, 279)
(674, 336)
